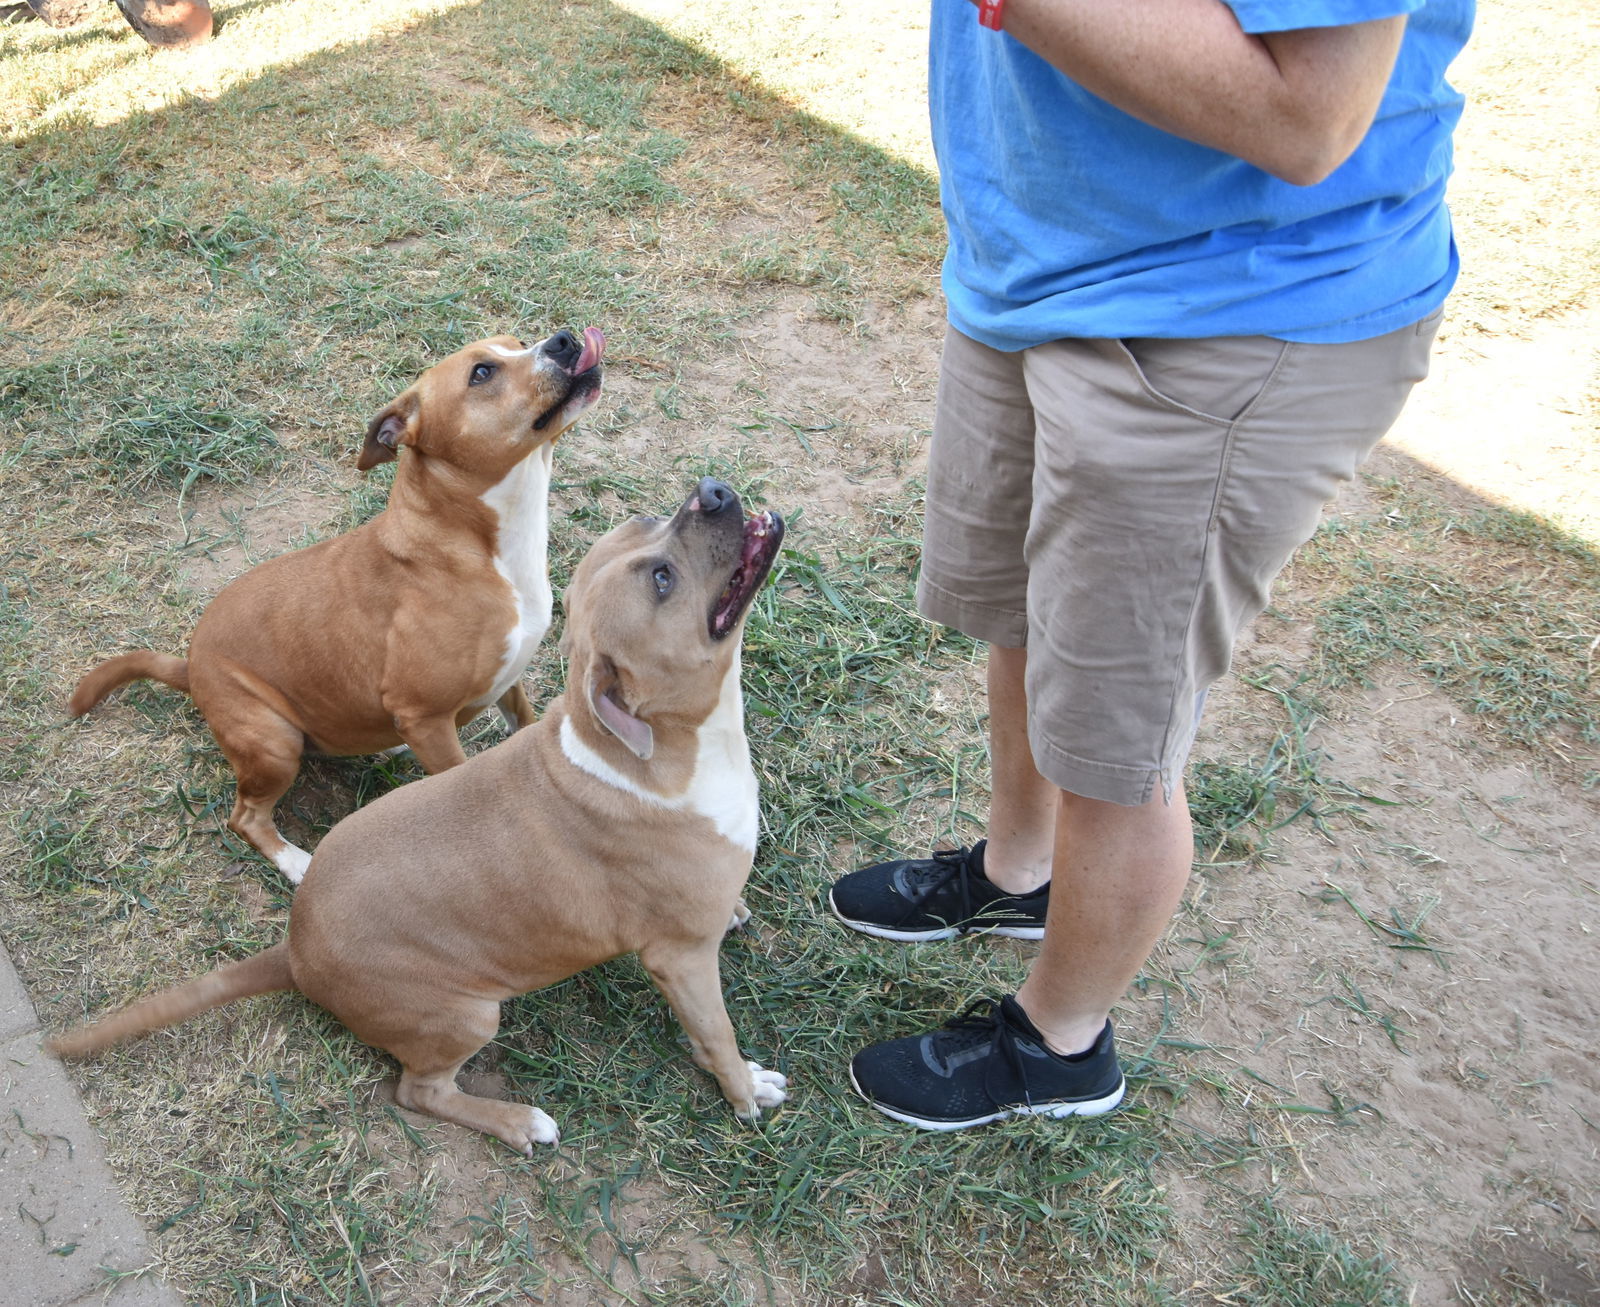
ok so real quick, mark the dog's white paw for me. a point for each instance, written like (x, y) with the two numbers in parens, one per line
(539, 1129)
(771, 1086)
(741, 918)
(292, 862)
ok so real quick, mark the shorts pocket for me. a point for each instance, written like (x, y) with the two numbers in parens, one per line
(1216, 378)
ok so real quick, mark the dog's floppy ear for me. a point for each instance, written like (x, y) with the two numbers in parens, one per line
(393, 427)
(637, 735)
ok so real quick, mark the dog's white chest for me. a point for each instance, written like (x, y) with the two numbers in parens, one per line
(521, 502)
(724, 785)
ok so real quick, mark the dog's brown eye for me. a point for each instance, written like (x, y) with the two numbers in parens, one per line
(481, 373)
(662, 576)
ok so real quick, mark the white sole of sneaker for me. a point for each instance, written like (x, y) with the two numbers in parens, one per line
(928, 936)
(1059, 1111)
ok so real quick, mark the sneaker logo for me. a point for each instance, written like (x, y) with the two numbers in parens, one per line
(948, 1066)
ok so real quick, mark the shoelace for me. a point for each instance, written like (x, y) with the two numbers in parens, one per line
(947, 864)
(983, 1021)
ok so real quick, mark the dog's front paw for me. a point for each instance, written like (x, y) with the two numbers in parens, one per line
(292, 862)
(538, 1128)
(741, 918)
(770, 1088)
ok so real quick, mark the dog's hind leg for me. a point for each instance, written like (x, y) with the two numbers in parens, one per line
(516, 709)
(432, 1054)
(433, 741)
(265, 751)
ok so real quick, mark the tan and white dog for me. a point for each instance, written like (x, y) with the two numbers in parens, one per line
(406, 628)
(623, 822)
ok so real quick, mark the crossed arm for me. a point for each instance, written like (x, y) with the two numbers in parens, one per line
(1296, 104)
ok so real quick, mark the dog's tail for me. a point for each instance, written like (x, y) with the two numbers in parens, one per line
(140, 665)
(261, 974)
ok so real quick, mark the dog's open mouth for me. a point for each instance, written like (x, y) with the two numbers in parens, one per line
(763, 533)
(583, 379)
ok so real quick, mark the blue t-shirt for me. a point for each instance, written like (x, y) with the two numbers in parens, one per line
(1068, 217)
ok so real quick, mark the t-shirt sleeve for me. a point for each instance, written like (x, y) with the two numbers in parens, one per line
(1289, 15)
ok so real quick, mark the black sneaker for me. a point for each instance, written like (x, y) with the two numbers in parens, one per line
(936, 898)
(990, 1062)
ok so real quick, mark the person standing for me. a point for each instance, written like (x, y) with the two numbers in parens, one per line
(1197, 255)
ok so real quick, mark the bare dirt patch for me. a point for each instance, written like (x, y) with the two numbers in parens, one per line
(231, 529)
(1469, 1059)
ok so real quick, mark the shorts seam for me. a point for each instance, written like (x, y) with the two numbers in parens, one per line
(1229, 441)
(1229, 444)
(1161, 400)
(1289, 348)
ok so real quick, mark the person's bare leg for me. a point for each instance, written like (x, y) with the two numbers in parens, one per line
(1119, 874)
(1022, 804)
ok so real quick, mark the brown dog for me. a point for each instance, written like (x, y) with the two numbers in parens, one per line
(625, 821)
(404, 629)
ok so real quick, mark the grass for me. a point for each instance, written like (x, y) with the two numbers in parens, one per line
(1292, 1265)
(1237, 805)
(1471, 604)
(216, 267)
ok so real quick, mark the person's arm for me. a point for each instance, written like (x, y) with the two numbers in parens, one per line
(1296, 104)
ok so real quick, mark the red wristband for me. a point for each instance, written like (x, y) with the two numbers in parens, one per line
(989, 13)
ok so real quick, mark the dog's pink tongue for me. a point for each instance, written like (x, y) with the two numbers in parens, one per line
(594, 345)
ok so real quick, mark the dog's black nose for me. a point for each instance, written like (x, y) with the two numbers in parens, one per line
(715, 497)
(563, 347)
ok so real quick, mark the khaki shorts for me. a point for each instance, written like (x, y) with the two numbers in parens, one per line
(1121, 507)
